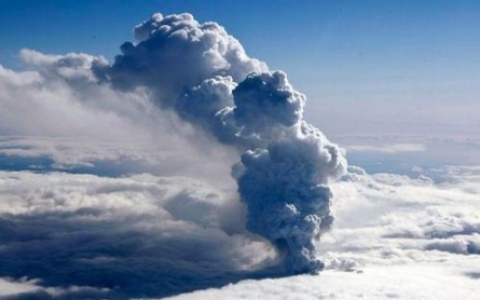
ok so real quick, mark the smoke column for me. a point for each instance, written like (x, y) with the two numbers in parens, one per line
(204, 75)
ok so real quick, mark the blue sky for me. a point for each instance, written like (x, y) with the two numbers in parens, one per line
(419, 59)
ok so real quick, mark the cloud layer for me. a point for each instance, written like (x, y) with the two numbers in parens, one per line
(395, 237)
(137, 236)
(148, 236)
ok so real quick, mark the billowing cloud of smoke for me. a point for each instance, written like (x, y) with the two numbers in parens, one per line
(176, 52)
(204, 75)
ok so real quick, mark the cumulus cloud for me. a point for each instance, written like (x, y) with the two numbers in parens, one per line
(392, 219)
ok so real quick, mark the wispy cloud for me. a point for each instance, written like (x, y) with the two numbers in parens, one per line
(387, 148)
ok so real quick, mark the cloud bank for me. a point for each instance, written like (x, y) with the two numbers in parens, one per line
(83, 236)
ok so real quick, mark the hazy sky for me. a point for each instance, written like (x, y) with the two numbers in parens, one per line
(391, 67)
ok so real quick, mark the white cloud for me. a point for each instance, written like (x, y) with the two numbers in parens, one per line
(395, 148)
(34, 104)
(376, 283)
(394, 237)
(10, 287)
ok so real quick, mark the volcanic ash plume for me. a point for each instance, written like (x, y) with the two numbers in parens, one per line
(205, 76)
(284, 182)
